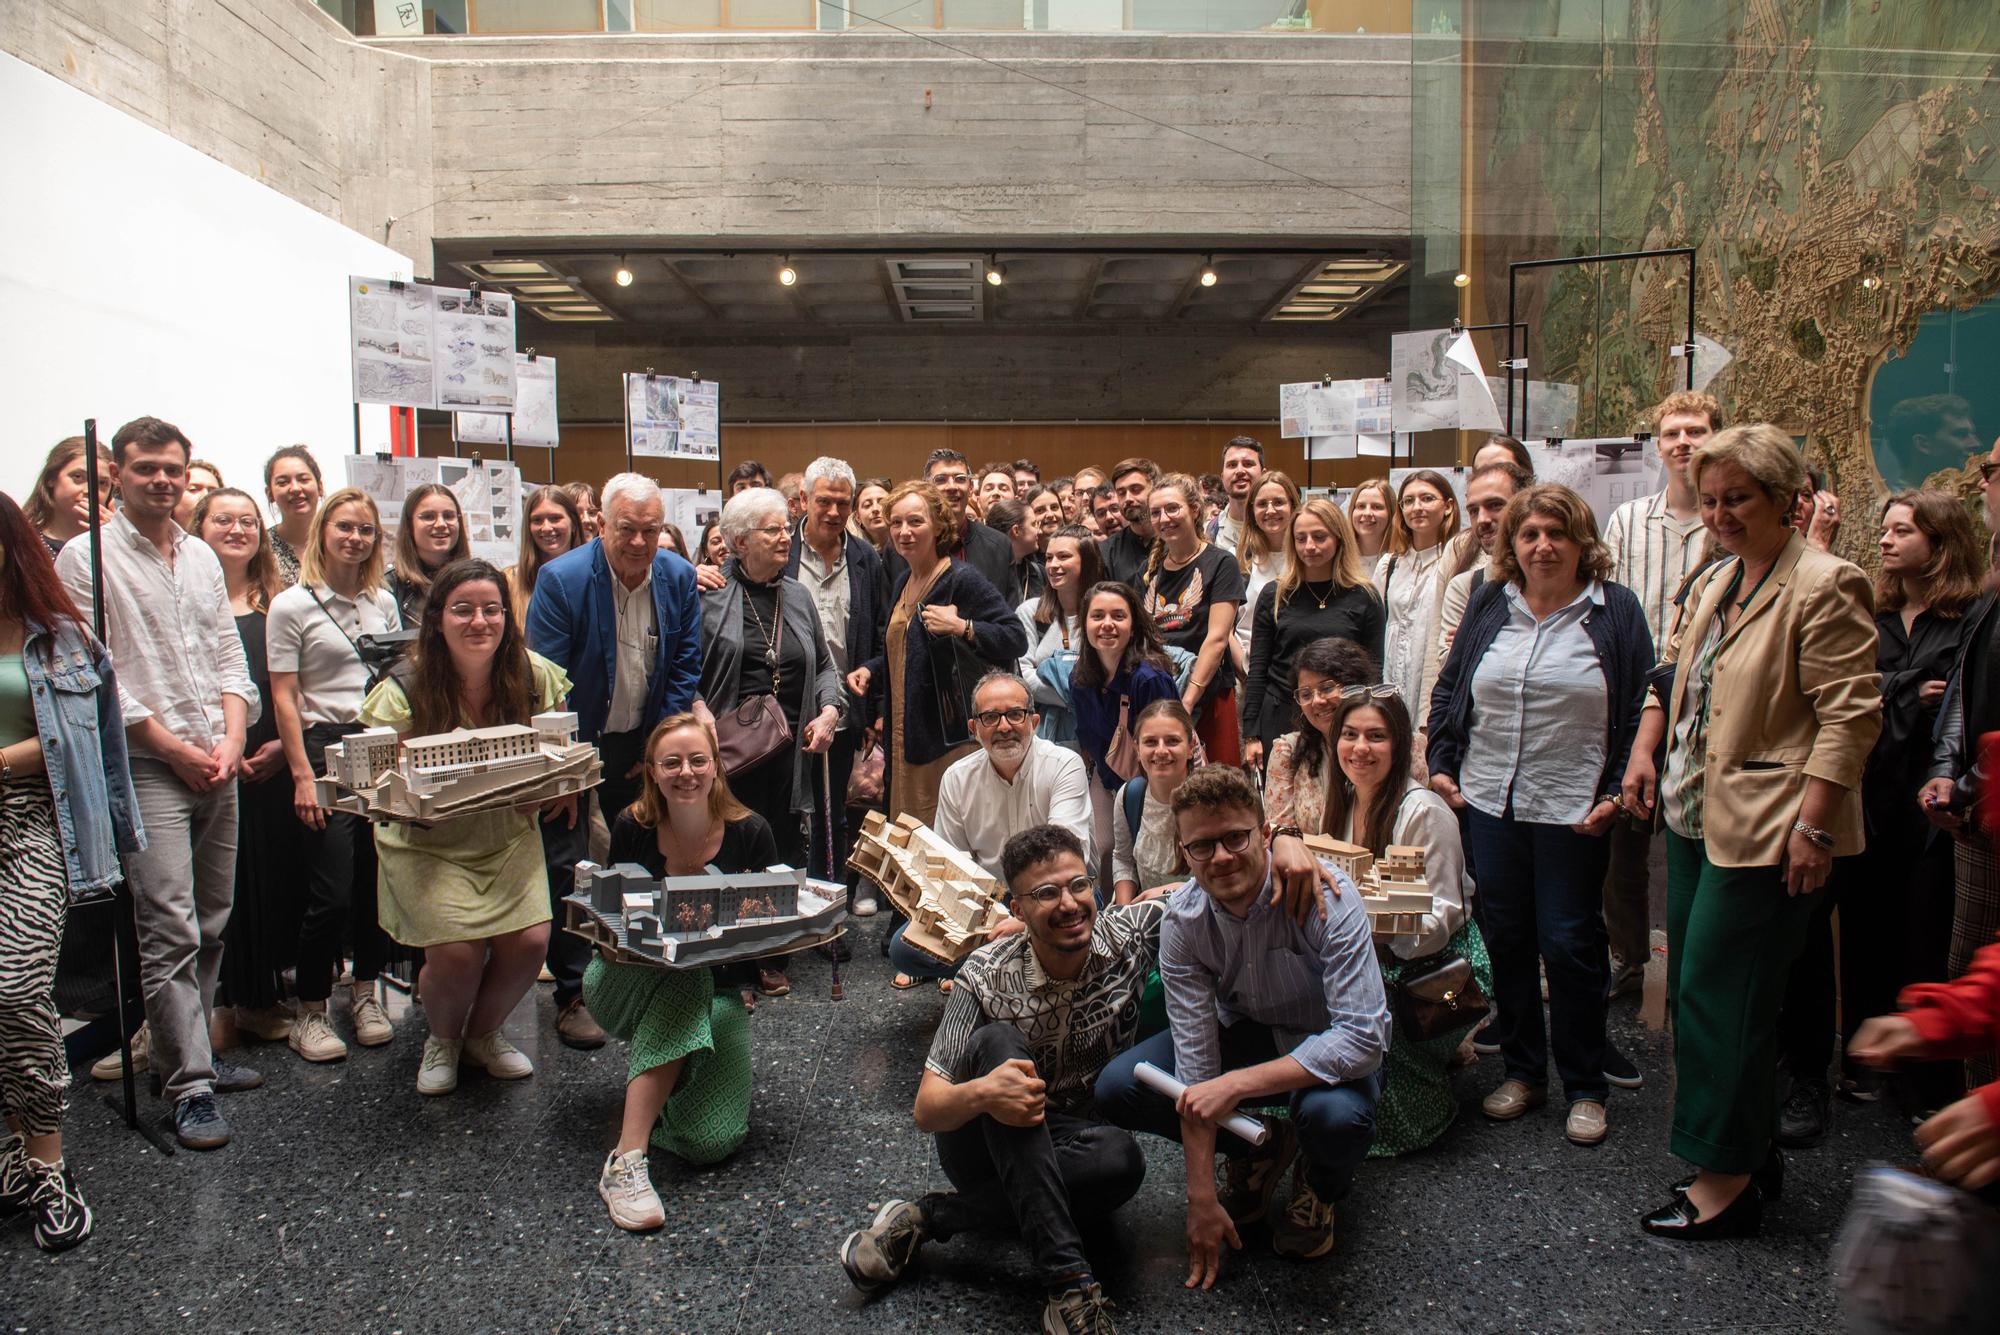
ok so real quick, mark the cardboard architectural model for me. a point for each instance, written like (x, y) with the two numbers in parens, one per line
(384, 776)
(951, 901)
(1393, 887)
(689, 921)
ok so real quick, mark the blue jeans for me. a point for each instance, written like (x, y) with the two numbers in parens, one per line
(911, 961)
(1543, 891)
(1335, 1123)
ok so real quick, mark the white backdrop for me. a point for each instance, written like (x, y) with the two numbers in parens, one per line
(139, 276)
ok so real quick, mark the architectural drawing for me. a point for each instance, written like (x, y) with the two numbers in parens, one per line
(421, 780)
(1423, 381)
(951, 901)
(689, 921)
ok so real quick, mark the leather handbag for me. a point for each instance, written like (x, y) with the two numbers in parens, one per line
(1435, 996)
(1121, 755)
(755, 730)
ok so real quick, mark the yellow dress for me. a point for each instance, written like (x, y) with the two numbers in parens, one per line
(470, 877)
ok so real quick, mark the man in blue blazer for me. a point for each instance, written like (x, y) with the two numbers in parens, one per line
(623, 619)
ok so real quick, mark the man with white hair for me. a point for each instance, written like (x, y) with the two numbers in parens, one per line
(845, 576)
(621, 617)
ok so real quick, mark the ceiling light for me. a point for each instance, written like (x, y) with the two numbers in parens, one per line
(1461, 280)
(1208, 275)
(624, 274)
(996, 272)
(787, 275)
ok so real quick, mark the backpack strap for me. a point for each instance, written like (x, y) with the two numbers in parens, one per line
(1133, 798)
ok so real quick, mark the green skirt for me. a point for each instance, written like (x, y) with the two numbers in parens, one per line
(669, 1014)
(1417, 1103)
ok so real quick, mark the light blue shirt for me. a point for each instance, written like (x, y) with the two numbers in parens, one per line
(1539, 715)
(1316, 986)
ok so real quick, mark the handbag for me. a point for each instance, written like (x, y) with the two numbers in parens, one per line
(1916, 1256)
(1121, 755)
(755, 730)
(1435, 996)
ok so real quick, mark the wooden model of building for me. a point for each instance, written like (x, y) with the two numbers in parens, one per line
(700, 920)
(382, 775)
(1394, 888)
(951, 901)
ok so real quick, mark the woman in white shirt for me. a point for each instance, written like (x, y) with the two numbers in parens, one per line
(318, 680)
(1368, 513)
(1260, 555)
(1054, 623)
(1145, 854)
(1408, 578)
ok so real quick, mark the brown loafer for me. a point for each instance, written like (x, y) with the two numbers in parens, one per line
(577, 1028)
(1512, 1099)
(1586, 1124)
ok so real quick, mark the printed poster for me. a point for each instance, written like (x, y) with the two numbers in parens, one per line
(489, 494)
(667, 417)
(1606, 472)
(534, 410)
(1423, 380)
(405, 334)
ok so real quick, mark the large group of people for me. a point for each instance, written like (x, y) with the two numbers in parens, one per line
(1130, 695)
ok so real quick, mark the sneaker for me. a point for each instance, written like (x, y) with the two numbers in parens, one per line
(233, 1079)
(545, 976)
(502, 1060)
(271, 1023)
(1305, 1231)
(1082, 1310)
(313, 1037)
(1249, 1182)
(198, 1123)
(1586, 1124)
(108, 1066)
(865, 904)
(1512, 1099)
(1621, 1070)
(773, 982)
(371, 1023)
(626, 1187)
(62, 1217)
(17, 1184)
(578, 1028)
(1802, 1121)
(1627, 980)
(876, 1257)
(438, 1073)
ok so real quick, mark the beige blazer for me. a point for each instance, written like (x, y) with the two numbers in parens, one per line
(1795, 696)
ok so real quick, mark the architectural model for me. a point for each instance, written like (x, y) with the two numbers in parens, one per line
(384, 776)
(951, 901)
(1393, 887)
(689, 921)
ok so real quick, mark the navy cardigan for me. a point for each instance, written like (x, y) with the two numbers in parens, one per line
(998, 638)
(1624, 651)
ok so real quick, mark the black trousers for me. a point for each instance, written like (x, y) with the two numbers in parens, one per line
(340, 884)
(1034, 1179)
(563, 848)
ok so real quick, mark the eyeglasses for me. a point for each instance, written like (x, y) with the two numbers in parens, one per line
(627, 533)
(1078, 887)
(1381, 690)
(347, 528)
(1987, 469)
(1201, 850)
(1326, 690)
(486, 612)
(246, 522)
(698, 763)
(775, 531)
(991, 718)
(950, 479)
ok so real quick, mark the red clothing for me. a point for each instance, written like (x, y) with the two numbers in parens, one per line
(1962, 1017)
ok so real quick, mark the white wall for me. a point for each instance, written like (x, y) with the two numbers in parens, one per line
(139, 276)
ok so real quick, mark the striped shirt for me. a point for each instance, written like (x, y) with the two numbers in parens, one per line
(1651, 554)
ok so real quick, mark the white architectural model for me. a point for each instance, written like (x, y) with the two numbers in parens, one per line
(378, 774)
(951, 901)
(1393, 887)
(685, 921)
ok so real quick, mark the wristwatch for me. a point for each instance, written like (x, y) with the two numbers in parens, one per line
(1815, 836)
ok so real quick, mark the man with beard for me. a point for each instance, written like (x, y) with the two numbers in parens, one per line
(1105, 510)
(1125, 551)
(1242, 464)
(1007, 1086)
(1487, 492)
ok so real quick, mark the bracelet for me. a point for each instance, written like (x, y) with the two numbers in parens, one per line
(967, 632)
(1815, 836)
(6, 766)
(1292, 830)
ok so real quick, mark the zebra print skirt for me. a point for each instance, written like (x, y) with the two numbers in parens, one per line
(34, 901)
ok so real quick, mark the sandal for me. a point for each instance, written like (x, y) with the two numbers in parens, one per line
(902, 982)
(944, 987)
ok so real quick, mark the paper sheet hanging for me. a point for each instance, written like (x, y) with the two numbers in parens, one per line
(672, 418)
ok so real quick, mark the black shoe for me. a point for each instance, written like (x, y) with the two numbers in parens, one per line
(1769, 1177)
(198, 1123)
(17, 1184)
(1741, 1218)
(1802, 1121)
(62, 1217)
(1621, 1070)
(233, 1079)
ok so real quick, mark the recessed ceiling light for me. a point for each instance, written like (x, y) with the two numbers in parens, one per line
(787, 275)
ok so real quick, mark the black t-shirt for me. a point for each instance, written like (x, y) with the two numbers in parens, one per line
(747, 845)
(1124, 554)
(1179, 602)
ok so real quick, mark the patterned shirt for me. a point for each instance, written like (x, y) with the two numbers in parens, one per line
(1074, 1027)
(1651, 554)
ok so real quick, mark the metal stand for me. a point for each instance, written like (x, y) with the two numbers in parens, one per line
(1521, 364)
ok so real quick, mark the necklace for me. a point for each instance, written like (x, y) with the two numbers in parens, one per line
(1318, 598)
(770, 644)
(1170, 563)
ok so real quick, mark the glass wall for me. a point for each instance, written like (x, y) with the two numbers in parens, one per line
(514, 17)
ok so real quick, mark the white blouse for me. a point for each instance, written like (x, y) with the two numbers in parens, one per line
(1149, 860)
(1261, 573)
(1424, 821)
(1045, 642)
(1410, 624)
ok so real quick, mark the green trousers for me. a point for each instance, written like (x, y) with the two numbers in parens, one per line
(1732, 934)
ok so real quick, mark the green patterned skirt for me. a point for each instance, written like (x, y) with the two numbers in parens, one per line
(1417, 1103)
(665, 1015)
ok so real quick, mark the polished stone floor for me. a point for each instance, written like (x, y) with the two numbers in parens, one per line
(350, 1203)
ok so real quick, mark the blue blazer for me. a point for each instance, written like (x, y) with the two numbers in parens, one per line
(867, 621)
(573, 622)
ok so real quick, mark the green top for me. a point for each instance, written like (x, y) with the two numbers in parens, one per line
(387, 706)
(17, 703)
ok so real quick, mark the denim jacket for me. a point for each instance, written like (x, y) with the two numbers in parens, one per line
(83, 746)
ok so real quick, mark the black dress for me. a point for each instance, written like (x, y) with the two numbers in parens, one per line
(263, 930)
(1277, 634)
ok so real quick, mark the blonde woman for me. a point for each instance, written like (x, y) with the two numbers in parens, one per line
(1260, 549)
(1409, 576)
(1370, 513)
(1192, 589)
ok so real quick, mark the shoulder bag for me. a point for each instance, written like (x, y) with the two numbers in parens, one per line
(755, 730)
(1121, 755)
(1436, 995)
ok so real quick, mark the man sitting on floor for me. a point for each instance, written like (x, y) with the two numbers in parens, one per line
(1259, 1004)
(1006, 1088)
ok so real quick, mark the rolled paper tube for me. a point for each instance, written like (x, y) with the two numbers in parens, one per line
(1243, 1126)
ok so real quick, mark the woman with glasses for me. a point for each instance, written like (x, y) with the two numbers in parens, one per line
(553, 527)
(1054, 622)
(431, 537)
(1303, 770)
(1145, 852)
(318, 681)
(471, 891)
(687, 1082)
(1192, 590)
(761, 637)
(1409, 578)
(293, 485)
(1321, 594)
(1531, 725)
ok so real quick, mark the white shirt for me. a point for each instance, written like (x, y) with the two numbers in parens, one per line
(979, 811)
(1148, 860)
(1063, 634)
(830, 594)
(1261, 573)
(172, 636)
(1651, 554)
(318, 645)
(1228, 532)
(638, 650)
(1451, 606)
(1410, 608)
(1424, 821)
(1539, 714)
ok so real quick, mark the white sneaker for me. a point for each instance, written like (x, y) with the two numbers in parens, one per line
(312, 1036)
(502, 1060)
(371, 1023)
(864, 904)
(439, 1072)
(626, 1186)
(108, 1066)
